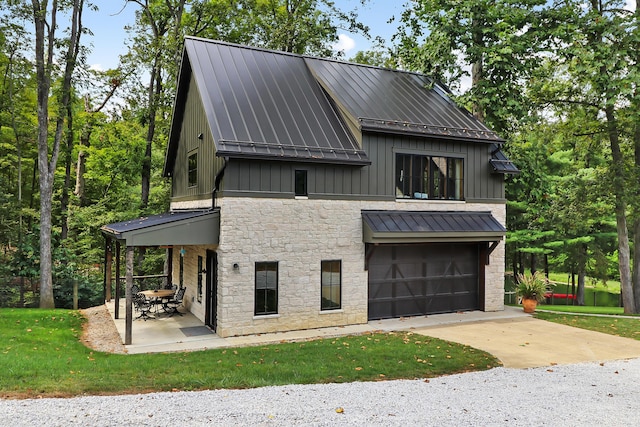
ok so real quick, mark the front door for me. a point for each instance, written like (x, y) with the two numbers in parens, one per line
(210, 315)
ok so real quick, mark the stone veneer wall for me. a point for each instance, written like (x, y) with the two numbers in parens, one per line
(299, 234)
(190, 276)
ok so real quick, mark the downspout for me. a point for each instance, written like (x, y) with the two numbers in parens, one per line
(216, 183)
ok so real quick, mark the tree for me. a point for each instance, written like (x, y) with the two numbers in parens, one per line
(495, 43)
(45, 25)
(156, 45)
(592, 46)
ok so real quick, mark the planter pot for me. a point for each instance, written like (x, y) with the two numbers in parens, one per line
(529, 305)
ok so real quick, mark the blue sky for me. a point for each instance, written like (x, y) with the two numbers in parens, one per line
(109, 36)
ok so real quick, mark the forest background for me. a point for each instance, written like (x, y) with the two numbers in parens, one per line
(81, 147)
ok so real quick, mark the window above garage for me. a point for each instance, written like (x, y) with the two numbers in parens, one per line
(429, 177)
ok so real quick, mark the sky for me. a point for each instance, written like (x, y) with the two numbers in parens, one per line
(108, 40)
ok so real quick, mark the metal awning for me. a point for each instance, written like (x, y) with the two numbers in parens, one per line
(194, 227)
(501, 163)
(430, 226)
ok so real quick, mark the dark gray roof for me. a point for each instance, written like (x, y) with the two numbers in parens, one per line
(197, 227)
(274, 105)
(501, 163)
(430, 226)
(395, 101)
(266, 104)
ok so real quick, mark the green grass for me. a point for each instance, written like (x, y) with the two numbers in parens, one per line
(41, 355)
(610, 286)
(628, 327)
(583, 309)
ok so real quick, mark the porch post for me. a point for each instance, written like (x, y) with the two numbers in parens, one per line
(128, 296)
(108, 262)
(117, 302)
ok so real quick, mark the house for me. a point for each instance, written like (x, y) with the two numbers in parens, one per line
(310, 193)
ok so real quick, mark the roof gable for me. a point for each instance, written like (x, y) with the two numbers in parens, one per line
(265, 104)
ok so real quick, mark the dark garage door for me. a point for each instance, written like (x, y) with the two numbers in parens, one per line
(410, 280)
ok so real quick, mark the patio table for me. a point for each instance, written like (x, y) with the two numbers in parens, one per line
(158, 295)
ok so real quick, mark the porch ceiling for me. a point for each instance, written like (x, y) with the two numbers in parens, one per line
(200, 227)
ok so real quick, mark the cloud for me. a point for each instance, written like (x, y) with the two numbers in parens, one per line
(344, 43)
(96, 67)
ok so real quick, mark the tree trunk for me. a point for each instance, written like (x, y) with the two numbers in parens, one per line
(636, 139)
(534, 261)
(582, 273)
(85, 136)
(477, 66)
(46, 184)
(47, 163)
(155, 86)
(64, 198)
(624, 261)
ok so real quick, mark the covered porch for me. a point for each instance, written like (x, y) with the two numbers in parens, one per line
(168, 230)
(165, 333)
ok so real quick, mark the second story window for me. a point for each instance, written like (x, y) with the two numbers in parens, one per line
(429, 177)
(192, 167)
(301, 183)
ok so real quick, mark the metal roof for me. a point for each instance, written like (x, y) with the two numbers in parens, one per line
(385, 100)
(501, 163)
(430, 226)
(266, 104)
(198, 227)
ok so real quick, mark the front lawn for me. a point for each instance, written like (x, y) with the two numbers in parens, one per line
(583, 309)
(624, 326)
(41, 355)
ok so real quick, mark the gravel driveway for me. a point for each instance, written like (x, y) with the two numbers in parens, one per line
(570, 395)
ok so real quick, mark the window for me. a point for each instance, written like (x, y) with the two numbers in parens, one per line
(301, 183)
(266, 288)
(192, 167)
(429, 177)
(330, 285)
(200, 272)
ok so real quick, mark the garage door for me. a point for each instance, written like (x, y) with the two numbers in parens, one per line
(410, 280)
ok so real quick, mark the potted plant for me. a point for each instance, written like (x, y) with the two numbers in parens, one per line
(532, 289)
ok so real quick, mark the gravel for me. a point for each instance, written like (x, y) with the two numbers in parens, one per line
(570, 395)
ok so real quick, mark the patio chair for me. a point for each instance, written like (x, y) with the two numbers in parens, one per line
(143, 306)
(171, 306)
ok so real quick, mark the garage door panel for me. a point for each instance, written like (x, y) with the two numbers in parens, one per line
(422, 279)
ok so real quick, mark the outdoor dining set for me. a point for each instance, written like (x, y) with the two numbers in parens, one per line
(155, 300)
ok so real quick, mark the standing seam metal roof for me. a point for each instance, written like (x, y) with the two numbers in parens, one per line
(267, 104)
(432, 222)
(275, 105)
(397, 101)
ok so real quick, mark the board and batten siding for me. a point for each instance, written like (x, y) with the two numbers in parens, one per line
(376, 181)
(194, 123)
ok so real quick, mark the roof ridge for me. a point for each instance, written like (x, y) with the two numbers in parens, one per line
(311, 57)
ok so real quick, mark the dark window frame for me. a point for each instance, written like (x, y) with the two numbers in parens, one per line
(429, 177)
(200, 273)
(192, 169)
(301, 183)
(266, 296)
(330, 303)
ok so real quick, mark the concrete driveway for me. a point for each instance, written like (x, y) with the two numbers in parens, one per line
(525, 342)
